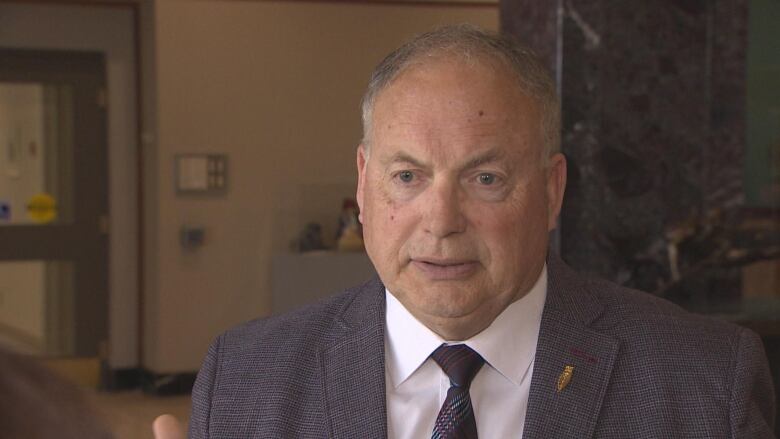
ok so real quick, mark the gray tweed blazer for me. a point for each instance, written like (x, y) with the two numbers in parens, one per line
(643, 368)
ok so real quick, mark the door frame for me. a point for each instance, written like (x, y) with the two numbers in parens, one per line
(84, 241)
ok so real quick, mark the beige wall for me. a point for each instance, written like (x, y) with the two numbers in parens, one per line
(276, 86)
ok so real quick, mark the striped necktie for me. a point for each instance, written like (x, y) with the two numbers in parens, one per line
(456, 417)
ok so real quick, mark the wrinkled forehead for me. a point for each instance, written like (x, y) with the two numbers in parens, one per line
(447, 97)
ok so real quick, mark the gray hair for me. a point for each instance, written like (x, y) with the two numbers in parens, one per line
(469, 42)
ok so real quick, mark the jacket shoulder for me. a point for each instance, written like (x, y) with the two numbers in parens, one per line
(626, 309)
(308, 327)
(713, 369)
(266, 372)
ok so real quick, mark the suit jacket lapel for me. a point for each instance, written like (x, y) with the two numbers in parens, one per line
(353, 369)
(567, 339)
(353, 365)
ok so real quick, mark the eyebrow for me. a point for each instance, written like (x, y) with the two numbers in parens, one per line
(402, 157)
(489, 156)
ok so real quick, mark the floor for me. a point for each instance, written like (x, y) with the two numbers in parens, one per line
(131, 413)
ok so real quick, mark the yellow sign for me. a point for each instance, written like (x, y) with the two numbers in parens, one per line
(42, 208)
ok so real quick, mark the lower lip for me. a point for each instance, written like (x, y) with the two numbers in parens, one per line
(446, 272)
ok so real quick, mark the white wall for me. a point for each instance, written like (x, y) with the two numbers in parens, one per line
(108, 30)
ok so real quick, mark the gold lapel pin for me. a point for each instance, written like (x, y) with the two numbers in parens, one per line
(565, 377)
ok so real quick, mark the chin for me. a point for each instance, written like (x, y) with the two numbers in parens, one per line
(447, 302)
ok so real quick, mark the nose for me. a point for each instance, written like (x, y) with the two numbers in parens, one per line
(444, 215)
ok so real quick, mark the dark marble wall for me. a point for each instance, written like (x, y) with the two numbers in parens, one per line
(653, 127)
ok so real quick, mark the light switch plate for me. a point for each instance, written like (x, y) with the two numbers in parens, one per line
(201, 174)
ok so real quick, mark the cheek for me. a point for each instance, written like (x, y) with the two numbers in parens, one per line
(512, 231)
(391, 207)
(500, 236)
(388, 209)
(399, 223)
(387, 219)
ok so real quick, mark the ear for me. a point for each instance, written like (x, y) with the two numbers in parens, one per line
(556, 186)
(362, 159)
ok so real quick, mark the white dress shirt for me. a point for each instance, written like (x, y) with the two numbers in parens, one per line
(416, 386)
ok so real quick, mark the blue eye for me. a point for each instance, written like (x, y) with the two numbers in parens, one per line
(406, 176)
(486, 179)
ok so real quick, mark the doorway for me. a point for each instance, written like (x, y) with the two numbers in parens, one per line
(53, 202)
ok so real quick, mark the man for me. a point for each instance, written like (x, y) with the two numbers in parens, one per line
(472, 328)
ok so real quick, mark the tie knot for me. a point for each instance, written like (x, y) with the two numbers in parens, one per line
(459, 362)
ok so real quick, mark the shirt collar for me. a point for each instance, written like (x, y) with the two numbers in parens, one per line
(408, 343)
(508, 344)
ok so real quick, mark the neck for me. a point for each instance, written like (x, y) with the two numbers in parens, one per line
(464, 327)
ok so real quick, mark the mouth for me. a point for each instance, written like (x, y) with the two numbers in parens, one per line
(445, 269)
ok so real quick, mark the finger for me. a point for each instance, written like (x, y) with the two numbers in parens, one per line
(167, 427)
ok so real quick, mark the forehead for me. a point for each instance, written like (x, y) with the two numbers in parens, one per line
(447, 104)
(451, 81)
(454, 94)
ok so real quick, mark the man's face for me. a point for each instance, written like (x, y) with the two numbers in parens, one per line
(455, 201)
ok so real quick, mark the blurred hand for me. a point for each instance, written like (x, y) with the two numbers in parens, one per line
(167, 427)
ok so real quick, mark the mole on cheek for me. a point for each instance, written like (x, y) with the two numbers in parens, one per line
(392, 217)
(481, 113)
